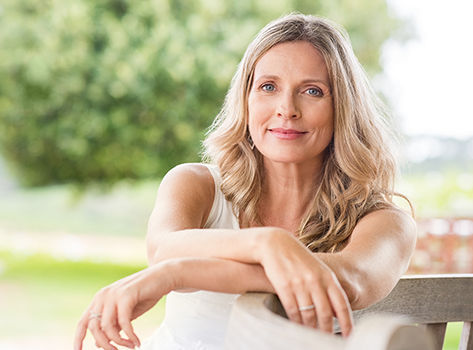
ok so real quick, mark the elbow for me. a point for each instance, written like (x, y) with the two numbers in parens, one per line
(151, 256)
(361, 290)
(155, 256)
(367, 290)
(153, 251)
(351, 281)
(361, 293)
(354, 291)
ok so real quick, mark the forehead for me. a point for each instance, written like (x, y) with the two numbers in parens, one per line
(298, 59)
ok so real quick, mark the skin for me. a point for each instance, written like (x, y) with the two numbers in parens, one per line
(290, 90)
(185, 256)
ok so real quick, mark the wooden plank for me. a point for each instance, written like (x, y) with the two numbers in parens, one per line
(254, 325)
(466, 340)
(388, 332)
(429, 299)
(433, 300)
(437, 330)
(257, 322)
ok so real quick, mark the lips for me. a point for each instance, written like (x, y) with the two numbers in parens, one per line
(286, 131)
(286, 134)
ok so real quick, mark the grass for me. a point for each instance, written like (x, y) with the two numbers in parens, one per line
(121, 211)
(452, 336)
(44, 296)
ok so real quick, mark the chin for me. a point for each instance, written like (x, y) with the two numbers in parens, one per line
(285, 157)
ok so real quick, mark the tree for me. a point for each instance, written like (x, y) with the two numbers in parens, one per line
(97, 91)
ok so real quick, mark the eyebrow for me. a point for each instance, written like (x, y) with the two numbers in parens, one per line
(310, 80)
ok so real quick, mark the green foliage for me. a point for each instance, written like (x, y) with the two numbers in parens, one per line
(97, 91)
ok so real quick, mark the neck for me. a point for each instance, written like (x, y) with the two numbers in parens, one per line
(288, 190)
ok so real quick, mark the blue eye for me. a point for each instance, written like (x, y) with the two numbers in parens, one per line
(268, 87)
(314, 92)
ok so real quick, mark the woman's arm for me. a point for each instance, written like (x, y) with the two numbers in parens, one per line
(258, 259)
(377, 255)
(175, 227)
(368, 268)
(219, 275)
(299, 278)
(115, 306)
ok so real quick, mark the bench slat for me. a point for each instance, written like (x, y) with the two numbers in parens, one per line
(438, 333)
(466, 340)
(429, 299)
(258, 319)
(256, 323)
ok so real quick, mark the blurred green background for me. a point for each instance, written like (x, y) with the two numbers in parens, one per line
(98, 91)
(98, 99)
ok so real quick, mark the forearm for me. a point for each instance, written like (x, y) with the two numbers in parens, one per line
(219, 275)
(239, 245)
(241, 251)
(347, 275)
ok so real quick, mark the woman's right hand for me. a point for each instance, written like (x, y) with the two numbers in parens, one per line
(115, 306)
(308, 289)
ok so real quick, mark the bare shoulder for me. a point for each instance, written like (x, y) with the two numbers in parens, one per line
(191, 179)
(184, 200)
(394, 214)
(391, 223)
(190, 171)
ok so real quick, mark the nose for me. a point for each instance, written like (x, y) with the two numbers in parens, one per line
(287, 107)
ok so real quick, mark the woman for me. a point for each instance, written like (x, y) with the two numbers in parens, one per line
(296, 199)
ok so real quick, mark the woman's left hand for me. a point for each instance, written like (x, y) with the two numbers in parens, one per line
(308, 289)
(115, 306)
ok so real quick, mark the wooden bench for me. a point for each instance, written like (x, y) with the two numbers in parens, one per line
(413, 316)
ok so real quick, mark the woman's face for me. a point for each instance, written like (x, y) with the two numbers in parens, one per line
(290, 111)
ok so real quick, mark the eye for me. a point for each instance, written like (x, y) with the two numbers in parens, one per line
(314, 92)
(268, 87)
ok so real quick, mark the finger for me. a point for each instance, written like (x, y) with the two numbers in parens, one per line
(110, 327)
(124, 320)
(288, 301)
(101, 339)
(307, 311)
(342, 309)
(81, 331)
(324, 309)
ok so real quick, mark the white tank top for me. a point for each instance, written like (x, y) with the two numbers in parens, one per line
(198, 320)
(221, 215)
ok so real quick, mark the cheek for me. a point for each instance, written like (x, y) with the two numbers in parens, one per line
(253, 127)
(325, 117)
(256, 115)
(330, 124)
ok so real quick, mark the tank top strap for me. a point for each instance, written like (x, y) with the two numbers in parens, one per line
(221, 214)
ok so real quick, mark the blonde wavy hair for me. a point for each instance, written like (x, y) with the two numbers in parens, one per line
(359, 167)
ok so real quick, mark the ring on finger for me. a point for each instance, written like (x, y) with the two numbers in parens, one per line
(95, 316)
(308, 307)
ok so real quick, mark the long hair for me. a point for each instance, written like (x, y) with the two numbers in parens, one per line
(359, 168)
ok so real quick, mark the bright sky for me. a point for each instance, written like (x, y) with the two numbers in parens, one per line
(430, 78)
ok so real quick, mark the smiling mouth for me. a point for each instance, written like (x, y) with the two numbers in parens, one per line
(286, 134)
(287, 131)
